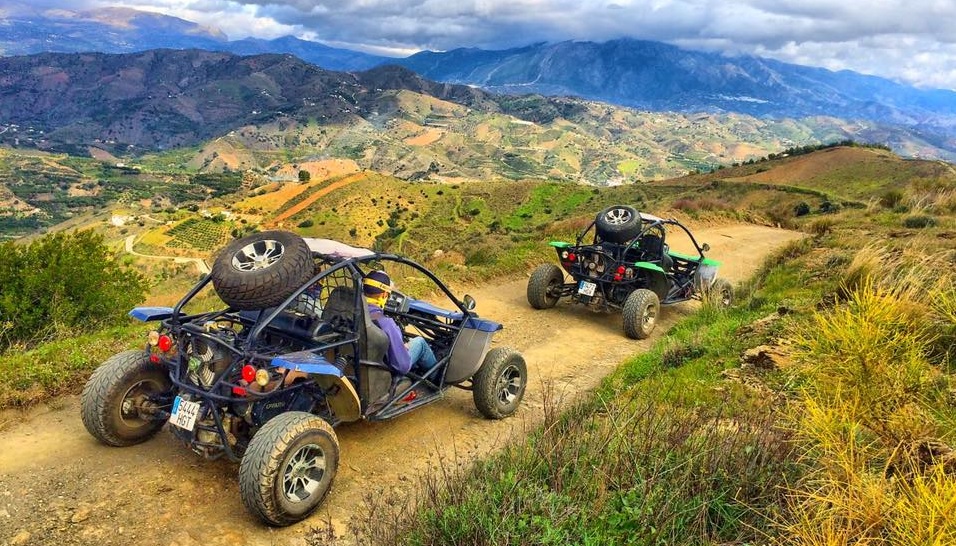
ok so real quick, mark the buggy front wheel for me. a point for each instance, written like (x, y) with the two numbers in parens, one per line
(499, 384)
(721, 293)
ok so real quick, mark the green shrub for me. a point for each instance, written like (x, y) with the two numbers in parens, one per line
(919, 221)
(63, 282)
(306, 223)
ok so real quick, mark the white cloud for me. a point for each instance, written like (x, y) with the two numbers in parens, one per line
(912, 41)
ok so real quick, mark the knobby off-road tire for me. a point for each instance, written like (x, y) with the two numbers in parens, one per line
(641, 309)
(288, 468)
(261, 270)
(721, 293)
(111, 396)
(499, 384)
(544, 278)
(618, 223)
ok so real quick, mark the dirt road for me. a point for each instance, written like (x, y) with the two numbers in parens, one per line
(198, 262)
(58, 486)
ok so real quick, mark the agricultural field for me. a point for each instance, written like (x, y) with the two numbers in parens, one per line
(202, 234)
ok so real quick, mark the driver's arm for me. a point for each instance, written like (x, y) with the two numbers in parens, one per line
(397, 353)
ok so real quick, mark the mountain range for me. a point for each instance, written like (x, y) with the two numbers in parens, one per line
(634, 73)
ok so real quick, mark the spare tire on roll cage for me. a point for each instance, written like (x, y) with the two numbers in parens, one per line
(261, 270)
(618, 223)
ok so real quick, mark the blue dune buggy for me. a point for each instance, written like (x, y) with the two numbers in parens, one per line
(622, 261)
(293, 354)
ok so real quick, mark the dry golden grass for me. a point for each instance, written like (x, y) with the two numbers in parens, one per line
(428, 136)
(276, 195)
(874, 414)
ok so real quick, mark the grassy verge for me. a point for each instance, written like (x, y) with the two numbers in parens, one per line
(37, 373)
(61, 366)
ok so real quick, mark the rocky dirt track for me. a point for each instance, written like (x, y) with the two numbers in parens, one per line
(58, 486)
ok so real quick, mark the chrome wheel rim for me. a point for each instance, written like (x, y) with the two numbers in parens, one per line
(303, 473)
(649, 316)
(258, 255)
(509, 385)
(617, 217)
(725, 298)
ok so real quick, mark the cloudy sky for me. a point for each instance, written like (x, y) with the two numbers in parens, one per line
(913, 41)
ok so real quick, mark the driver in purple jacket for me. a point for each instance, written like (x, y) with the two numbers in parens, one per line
(402, 357)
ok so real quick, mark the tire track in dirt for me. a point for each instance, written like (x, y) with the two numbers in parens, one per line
(59, 486)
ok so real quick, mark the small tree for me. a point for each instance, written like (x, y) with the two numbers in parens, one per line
(62, 282)
(304, 176)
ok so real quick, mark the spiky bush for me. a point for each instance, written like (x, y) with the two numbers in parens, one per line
(874, 419)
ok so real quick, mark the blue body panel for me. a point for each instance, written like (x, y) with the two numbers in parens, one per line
(425, 307)
(147, 314)
(306, 361)
(483, 325)
(474, 323)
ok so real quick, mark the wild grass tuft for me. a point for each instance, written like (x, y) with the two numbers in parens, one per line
(874, 418)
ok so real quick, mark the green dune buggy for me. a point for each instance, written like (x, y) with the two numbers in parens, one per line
(628, 266)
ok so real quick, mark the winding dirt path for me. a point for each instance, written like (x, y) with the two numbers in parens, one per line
(58, 486)
(200, 264)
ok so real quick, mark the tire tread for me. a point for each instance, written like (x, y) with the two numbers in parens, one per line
(633, 313)
(484, 382)
(94, 400)
(261, 463)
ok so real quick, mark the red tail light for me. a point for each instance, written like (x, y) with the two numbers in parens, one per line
(239, 391)
(248, 373)
(154, 359)
(572, 257)
(618, 277)
(165, 343)
(620, 270)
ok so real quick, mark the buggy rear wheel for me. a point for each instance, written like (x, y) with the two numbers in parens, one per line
(288, 468)
(541, 285)
(640, 313)
(261, 270)
(499, 384)
(117, 404)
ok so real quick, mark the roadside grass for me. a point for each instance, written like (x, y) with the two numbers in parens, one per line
(873, 414)
(61, 366)
(847, 441)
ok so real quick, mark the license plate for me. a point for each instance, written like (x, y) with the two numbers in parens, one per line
(184, 414)
(586, 288)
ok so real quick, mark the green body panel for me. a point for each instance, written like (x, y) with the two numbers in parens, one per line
(649, 265)
(705, 261)
(560, 244)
